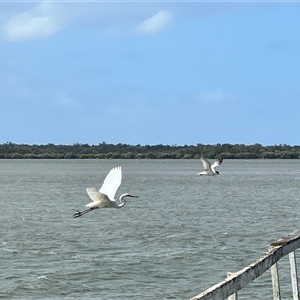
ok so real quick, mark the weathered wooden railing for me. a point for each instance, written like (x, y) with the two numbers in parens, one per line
(236, 281)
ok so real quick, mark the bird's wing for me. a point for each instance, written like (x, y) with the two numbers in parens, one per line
(206, 163)
(94, 194)
(112, 182)
(217, 163)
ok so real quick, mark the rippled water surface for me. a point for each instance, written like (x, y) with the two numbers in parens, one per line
(182, 235)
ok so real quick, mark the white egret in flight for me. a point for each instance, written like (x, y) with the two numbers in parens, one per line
(105, 196)
(210, 169)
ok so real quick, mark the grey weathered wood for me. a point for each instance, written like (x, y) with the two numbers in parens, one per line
(287, 239)
(275, 282)
(231, 285)
(235, 295)
(242, 278)
(294, 277)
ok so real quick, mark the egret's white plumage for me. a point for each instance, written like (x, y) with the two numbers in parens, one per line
(210, 169)
(105, 197)
(111, 183)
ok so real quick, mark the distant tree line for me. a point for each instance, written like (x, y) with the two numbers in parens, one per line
(103, 150)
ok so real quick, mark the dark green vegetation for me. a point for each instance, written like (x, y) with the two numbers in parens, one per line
(124, 151)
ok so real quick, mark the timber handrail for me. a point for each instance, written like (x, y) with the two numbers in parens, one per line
(236, 281)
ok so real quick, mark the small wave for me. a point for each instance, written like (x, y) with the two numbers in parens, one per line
(43, 277)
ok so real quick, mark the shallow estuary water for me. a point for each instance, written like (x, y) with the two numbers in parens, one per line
(182, 235)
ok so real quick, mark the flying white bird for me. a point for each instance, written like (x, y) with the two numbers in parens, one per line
(210, 169)
(105, 196)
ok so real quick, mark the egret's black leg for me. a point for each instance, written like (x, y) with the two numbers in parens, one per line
(80, 213)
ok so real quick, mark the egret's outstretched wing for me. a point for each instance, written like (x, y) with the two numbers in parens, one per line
(217, 163)
(206, 163)
(94, 194)
(112, 183)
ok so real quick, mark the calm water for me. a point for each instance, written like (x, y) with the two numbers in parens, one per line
(182, 235)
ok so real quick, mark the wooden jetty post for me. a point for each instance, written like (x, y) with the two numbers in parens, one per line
(228, 288)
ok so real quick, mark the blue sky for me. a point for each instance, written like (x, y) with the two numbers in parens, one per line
(150, 72)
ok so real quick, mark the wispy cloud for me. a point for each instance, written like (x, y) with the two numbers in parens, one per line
(41, 21)
(214, 96)
(155, 24)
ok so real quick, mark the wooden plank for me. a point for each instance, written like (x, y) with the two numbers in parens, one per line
(287, 239)
(242, 278)
(231, 285)
(275, 282)
(233, 296)
(294, 277)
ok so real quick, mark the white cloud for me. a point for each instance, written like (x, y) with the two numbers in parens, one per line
(155, 24)
(40, 21)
